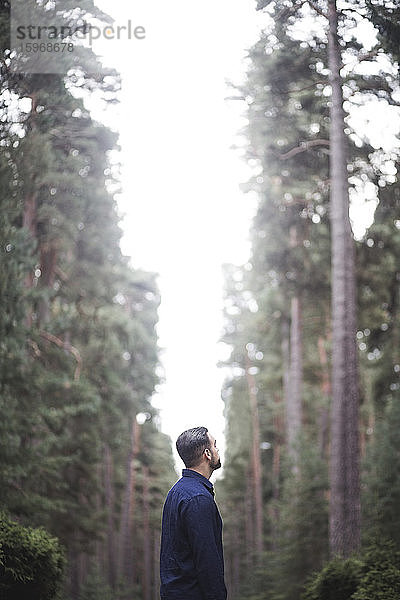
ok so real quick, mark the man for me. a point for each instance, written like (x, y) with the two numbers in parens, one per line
(191, 560)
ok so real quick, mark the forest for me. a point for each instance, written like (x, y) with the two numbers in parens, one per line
(310, 488)
(81, 452)
(312, 401)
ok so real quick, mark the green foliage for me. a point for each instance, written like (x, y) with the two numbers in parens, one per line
(290, 254)
(78, 346)
(31, 562)
(287, 92)
(381, 579)
(338, 580)
(373, 575)
(382, 477)
(95, 586)
(379, 300)
(379, 337)
(302, 532)
(386, 19)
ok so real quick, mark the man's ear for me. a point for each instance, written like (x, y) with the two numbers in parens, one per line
(207, 453)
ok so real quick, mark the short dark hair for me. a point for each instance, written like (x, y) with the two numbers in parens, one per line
(191, 445)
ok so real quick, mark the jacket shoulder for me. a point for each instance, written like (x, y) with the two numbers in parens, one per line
(186, 489)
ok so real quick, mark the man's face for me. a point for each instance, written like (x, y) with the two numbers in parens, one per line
(215, 462)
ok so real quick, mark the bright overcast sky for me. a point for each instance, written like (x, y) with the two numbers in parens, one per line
(185, 215)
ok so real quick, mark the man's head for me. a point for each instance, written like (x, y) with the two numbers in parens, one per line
(197, 447)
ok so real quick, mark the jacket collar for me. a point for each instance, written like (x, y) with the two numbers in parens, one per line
(200, 477)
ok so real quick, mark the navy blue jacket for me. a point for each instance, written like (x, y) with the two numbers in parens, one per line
(191, 560)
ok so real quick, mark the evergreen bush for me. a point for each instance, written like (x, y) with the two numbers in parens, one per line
(381, 580)
(31, 562)
(338, 580)
(374, 575)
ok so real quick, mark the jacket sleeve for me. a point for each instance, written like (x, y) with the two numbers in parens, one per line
(200, 518)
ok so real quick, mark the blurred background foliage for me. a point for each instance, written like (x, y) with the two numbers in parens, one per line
(275, 494)
(78, 347)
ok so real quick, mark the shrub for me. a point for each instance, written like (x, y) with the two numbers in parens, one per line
(374, 575)
(381, 580)
(31, 562)
(338, 580)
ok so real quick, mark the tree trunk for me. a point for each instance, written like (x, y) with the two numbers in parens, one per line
(294, 400)
(235, 564)
(48, 263)
(294, 385)
(100, 543)
(109, 495)
(278, 425)
(125, 562)
(72, 573)
(344, 464)
(146, 536)
(156, 565)
(326, 391)
(256, 460)
(29, 216)
(249, 524)
(29, 223)
(285, 347)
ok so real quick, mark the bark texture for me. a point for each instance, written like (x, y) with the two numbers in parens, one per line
(294, 398)
(109, 497)
(344, 463)
(126, 567)
(256, 460)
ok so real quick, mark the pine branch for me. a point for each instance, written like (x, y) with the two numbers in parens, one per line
(62, 275)
(19, 488)
(368, 55)
(361, 57)
(34, 347)
(342, 11)
(66, 346)
(317, 9)
(304, 146)
(289, 10)
(303, 89)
